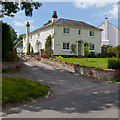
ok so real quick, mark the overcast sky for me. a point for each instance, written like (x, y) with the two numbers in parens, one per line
(92, 12)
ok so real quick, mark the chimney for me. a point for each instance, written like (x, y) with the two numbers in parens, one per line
(27, 35)
(106, 28)
(54, 16)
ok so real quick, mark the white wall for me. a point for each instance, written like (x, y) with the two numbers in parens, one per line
(60, 38)
(113, 38)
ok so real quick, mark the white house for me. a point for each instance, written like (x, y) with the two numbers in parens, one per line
(64, 33)
(110, 34)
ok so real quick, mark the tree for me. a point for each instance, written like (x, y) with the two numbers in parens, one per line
(113, 50)
(11, 8)
(48, 46)
(19, 38)
(49, 21)
(86, 51)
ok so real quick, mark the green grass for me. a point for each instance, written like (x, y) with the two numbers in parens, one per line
(117, 79)
(100, 63)
(16, 90)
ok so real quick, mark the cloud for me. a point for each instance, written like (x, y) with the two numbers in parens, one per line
(113, 13)
(19, 24)
(93, 3)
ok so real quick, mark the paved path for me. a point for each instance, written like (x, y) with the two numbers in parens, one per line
(74, 96)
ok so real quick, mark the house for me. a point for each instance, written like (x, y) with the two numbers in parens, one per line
(110, 34)
(64, 33)
(19, 47)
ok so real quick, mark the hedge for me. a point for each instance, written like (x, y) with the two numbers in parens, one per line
(114, 63)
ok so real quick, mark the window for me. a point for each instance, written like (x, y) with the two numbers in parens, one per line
(38, 34)
(66, 30)
(92, 47)
(31, 36)
(91, 33)
(66, 46)
(79, 32)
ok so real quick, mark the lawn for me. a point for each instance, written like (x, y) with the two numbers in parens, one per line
(16, 90)
(100, 63)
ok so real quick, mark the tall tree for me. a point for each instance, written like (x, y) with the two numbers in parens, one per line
(11, 8)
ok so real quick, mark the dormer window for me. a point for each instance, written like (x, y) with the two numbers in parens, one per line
(66, 30)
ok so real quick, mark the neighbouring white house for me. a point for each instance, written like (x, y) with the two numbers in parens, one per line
(64, 33)
(110, 34)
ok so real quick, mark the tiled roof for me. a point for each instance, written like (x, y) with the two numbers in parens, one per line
(67, 22)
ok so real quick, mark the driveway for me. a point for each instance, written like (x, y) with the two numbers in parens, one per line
(74, 96)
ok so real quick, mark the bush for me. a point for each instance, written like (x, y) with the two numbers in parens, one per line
(48, 46)
(7, 38)
(59, 57)
(66, 56)
(91, 55)
(100, 55)
(114, 63)
(10, 56)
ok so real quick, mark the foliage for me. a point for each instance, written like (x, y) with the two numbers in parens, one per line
(114, 63)
(11, 8)
(73, 48)
(19, 89)
(113, 51)
(92, 62)
(59, 57)
(91, 55)
(86, 51)
(49, 21)
(100, 55)
(19, 38)
(117, 79)
(10, 56)
(66, 56)
(28, 48)
(7, 38)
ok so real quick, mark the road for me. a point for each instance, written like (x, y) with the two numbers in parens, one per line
(74, 96)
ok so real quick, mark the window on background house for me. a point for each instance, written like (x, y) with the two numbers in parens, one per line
(66, 46)
(31, 36)
(66, 30)
(91, 33)
(38, 34)
(79, 32)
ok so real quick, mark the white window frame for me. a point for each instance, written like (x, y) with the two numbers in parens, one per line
(66, 46)
(91, 31)
(38, 34)
(67, 29)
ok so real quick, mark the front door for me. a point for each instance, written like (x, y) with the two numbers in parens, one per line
(79, 48)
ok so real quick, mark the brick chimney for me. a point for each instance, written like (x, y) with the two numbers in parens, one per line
(54, 16)
(27, 35)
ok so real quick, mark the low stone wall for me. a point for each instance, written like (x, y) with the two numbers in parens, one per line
(100, 74)
(10, 66)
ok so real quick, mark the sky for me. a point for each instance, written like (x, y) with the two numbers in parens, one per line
(92, 12)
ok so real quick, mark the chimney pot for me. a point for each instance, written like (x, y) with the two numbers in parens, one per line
(27, 25)
(54, 14)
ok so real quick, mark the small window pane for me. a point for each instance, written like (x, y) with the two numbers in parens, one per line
(64, 30)
(79, 32)
(91, 33)
(66, 46)
(68, 30)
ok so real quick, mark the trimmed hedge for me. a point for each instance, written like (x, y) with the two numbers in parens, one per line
(114, 63)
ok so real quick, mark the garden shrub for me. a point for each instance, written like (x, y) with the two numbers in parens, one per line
(66, 56)
(114, 63)
(59, 57)
(48, 46)
(100, 55)
(10, 56)
(91, 55)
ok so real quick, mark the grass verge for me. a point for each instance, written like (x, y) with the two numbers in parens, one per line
(16, 90)
(100, 63)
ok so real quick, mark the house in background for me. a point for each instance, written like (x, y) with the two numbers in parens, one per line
(110, 34)
(64, 33)
(19, 47)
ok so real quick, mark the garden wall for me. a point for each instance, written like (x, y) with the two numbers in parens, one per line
(100, 74)
(9, 66)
